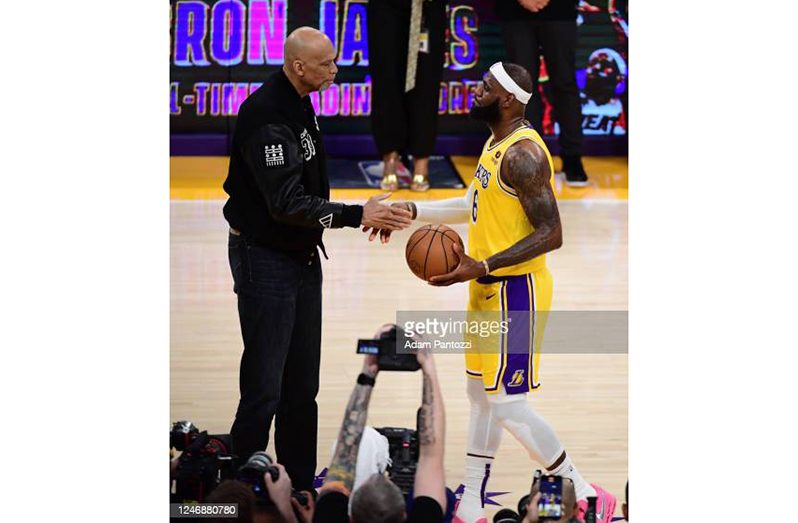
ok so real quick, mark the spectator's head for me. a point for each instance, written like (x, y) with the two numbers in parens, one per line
(378, 500)
(249, 510)
(625, 506)
(231, 491)
(494, 101)
(309, 59)
(568, 499)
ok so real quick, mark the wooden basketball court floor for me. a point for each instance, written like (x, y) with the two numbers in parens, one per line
(583, 396)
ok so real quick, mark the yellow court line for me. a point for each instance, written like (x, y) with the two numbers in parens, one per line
(201, 178)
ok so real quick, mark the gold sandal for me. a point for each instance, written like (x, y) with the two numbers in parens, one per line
(420, 183)
(389, 182)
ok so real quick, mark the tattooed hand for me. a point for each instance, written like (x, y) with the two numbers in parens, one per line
(370, 366)
(426, 361)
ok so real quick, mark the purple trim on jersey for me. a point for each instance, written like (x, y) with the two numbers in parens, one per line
(519, 344)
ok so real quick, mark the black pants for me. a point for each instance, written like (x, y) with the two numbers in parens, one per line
(279, 307)
(525, 40)
(404, 121)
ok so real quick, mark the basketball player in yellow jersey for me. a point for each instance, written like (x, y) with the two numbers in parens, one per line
(513, 222)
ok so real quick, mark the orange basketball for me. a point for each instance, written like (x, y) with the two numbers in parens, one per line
(430, 252)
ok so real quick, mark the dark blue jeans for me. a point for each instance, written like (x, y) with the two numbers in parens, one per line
(279, 308)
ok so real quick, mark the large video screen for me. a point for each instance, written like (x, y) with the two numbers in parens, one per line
(222, 50)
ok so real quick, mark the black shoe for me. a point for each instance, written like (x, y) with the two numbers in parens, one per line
(575, 175)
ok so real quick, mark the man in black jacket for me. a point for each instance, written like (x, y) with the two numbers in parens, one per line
(278, 209)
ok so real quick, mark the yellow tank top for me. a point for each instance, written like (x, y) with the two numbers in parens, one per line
(497, 219)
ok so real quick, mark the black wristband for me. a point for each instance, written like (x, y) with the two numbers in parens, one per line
(365, 379)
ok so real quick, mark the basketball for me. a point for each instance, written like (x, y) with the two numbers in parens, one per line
(430, 251)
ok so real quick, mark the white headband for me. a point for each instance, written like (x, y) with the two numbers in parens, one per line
(501, 76)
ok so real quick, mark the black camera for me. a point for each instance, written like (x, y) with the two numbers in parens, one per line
(590, 514)
(403, 450)
(252, 473)
(205, 462)
(385, 348)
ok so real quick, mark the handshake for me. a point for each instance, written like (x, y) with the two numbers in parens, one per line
(383, 219)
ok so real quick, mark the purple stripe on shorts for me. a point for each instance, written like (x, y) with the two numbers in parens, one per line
(516, 375)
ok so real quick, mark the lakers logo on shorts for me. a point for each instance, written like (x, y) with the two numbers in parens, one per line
(518, 379)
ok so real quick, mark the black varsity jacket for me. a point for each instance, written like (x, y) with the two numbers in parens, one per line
(277, 181)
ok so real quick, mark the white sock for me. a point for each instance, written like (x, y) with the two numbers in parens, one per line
(477, 472)
(567, 469)
(484, 437)
(537, 437)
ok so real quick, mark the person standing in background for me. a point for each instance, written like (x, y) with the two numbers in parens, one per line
(406, 50)
(532, 27)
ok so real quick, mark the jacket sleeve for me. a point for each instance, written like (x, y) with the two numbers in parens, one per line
(275, 158)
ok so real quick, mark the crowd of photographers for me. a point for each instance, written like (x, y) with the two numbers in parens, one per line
(387, 475)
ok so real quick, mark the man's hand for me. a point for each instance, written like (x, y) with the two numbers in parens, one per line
(305, 513)
(280, 492)
(385, 234)
(370, 366)
(425, 360)
(174, 463)
(532, 509)
(533, 5)
(468, 269)
(380, 216)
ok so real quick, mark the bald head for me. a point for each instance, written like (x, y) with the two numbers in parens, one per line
(305, 42)
(309, 60)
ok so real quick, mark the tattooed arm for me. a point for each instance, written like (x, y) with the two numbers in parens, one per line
(526, 168)
(341, 474)
(430, 480)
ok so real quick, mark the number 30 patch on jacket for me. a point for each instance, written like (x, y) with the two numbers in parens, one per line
(308, 149)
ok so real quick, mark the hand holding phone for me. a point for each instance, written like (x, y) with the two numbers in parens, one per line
(550, 501)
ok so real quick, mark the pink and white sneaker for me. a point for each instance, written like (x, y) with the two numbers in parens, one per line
(605, 506)
(458, 519)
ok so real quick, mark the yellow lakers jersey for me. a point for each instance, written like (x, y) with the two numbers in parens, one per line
(497, 218)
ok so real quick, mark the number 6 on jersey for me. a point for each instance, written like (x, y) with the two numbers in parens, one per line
(474, 207)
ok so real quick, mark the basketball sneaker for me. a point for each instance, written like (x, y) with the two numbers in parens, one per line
(458, 519)
(605, 506)
(575, 175)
